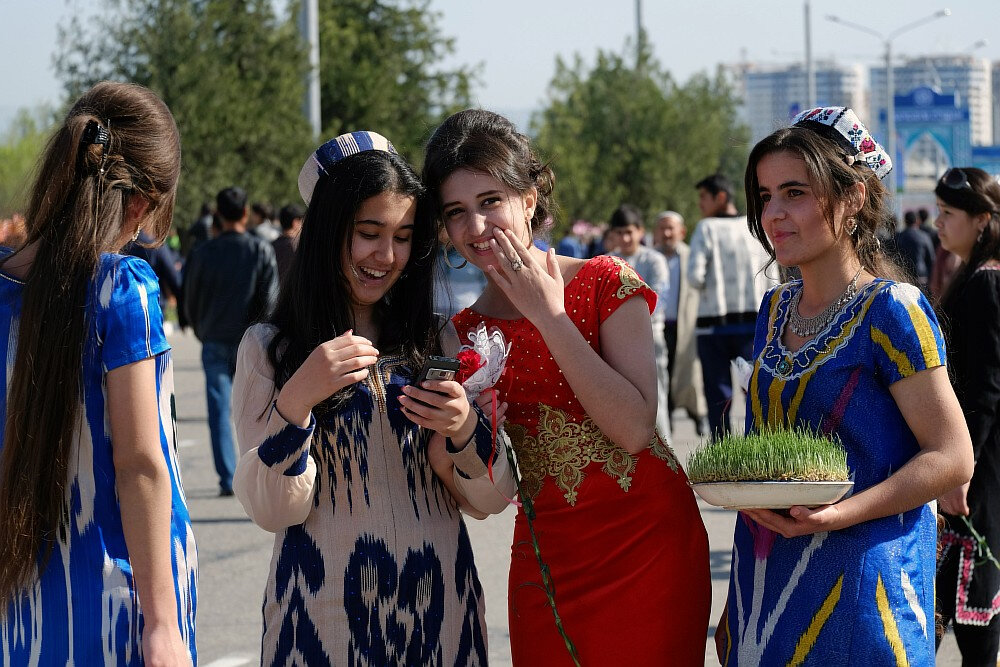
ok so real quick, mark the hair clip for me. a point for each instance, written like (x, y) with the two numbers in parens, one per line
(95, 133)
(850, 160)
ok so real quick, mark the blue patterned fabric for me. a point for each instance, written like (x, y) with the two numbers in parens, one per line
(381, 572)
(863, 595)
(84, 609)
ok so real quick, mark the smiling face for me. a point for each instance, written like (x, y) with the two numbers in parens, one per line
(473, 204)
(379, 248)
(957, 229)
(792, 212)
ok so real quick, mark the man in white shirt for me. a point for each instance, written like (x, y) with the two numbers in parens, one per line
(680, 311)
(726, 265)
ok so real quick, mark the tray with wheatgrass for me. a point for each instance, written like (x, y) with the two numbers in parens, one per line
(773, 468)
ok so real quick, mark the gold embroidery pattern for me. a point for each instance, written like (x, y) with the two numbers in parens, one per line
(382, 376)
(630, 279)
(661, 450)
(562, 449)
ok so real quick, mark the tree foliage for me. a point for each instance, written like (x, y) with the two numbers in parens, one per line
(620, 132)
(379, 71)
(20, 147)
(233, 73)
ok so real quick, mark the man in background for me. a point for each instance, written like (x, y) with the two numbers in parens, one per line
(230, 282)
(285, 245)
(680, 311)
(915, 251)
(625, 232)
(726, 266)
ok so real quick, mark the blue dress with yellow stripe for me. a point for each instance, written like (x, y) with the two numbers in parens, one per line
(865, 594)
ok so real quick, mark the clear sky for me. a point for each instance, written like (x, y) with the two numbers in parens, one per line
(517, 40)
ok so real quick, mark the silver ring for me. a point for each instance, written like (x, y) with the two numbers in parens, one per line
(516, 264)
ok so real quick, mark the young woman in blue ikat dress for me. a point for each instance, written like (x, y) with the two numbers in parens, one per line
(851, 353)
(97, 556)
(372, 563)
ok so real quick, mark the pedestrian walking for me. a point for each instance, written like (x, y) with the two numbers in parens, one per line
(726, 266)
(230, 282)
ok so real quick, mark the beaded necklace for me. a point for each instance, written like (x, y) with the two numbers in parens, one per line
(807, 327)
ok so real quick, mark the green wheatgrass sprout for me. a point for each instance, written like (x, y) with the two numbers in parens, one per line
(774, 454)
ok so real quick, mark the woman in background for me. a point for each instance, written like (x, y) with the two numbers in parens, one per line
(968, 584)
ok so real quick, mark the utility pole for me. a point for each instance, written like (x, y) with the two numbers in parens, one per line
(309, 28)
(638, 34)
(810, 67)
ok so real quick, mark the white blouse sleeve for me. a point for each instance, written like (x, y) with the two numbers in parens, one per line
(275, 475)
(471, 474)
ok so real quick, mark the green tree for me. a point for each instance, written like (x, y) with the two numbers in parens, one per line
(20, 147)
(620, 132)
(231, 72)
(379, 71)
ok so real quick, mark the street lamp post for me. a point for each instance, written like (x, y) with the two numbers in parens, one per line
(889, 83)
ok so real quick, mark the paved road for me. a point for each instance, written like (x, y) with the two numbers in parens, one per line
(234, 553)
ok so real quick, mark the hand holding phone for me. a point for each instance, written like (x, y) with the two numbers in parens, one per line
(436, 368)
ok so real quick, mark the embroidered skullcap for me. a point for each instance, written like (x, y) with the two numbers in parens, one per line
(334, 151)
(842, 126)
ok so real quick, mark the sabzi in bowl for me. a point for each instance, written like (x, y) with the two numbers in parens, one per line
(772, 468)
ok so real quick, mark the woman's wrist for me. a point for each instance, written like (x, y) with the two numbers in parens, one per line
(292, 410)
(461, 438)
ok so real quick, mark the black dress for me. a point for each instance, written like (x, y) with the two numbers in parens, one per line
(968, 584)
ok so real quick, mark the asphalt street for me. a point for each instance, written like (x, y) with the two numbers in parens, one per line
(234, 553)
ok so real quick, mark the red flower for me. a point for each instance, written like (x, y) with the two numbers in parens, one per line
(470, 361)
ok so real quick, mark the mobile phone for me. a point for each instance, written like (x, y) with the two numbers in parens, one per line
(438, 368)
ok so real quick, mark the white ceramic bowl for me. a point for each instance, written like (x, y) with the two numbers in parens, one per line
(771, 495)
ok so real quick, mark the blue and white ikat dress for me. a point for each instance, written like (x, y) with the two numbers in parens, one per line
(863, 595)
(372, 564)
(84, 609)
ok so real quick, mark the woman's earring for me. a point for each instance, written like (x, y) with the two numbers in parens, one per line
(447, 257)
(852, 225)
(136, 235)
(979, 238)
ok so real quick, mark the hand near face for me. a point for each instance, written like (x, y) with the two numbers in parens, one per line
(535, 290)
(329, 368)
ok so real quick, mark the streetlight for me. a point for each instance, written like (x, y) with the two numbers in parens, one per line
(887, 41)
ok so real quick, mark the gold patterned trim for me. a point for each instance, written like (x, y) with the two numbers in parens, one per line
(631, 282)
(562, 449)
(381, 376)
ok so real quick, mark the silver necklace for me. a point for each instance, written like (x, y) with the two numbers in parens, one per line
(807, 327)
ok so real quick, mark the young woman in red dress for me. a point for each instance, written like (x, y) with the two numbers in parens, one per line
(615, 520)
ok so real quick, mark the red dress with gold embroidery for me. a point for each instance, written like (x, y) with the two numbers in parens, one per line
(621, 533)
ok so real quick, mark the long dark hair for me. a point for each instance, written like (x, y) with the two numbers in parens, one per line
(484, 141)
(982, 196)
(77, 211)
(833, 179)
(315, 301)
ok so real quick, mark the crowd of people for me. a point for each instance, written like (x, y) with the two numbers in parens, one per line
(314, 332)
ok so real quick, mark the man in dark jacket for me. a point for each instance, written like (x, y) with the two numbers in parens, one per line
(915, 250)
(230, 282)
